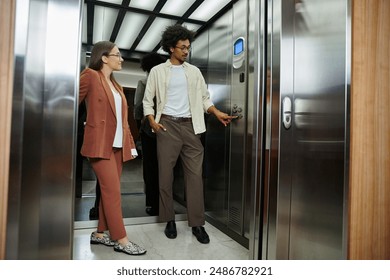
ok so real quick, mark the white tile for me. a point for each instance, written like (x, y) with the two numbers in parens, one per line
(159, 247)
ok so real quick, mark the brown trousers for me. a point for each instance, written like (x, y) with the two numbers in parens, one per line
(108, 172)
(180, 140)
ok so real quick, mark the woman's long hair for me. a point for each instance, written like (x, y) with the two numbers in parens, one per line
(102, 48)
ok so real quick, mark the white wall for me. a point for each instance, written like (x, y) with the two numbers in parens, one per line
(130, 74)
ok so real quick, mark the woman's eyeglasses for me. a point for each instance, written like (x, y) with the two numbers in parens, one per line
(118, 55)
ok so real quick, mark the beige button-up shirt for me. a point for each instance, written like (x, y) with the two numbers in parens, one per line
(198, 95)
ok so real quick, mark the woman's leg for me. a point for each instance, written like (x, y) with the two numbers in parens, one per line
(108, 173)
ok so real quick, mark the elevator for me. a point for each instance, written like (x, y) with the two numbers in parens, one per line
(276, 179)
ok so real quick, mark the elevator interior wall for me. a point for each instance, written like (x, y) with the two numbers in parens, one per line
(217, 72)
(222, 55)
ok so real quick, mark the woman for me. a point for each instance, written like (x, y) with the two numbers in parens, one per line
(107, 142)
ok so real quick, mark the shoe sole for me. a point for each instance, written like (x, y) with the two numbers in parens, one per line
(98, 243)
(136, 254)
(202, 241)
(170, 236)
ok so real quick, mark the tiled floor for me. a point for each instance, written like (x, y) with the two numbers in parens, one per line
(159, 247)
(143, 229)
(132, 188)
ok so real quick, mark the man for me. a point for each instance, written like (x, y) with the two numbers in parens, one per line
(148, 138)
(182, 99)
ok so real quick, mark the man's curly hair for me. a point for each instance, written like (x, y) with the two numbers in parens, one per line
(173, 34)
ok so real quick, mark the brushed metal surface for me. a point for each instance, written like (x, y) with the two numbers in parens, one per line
(308, 195)
(42, 140)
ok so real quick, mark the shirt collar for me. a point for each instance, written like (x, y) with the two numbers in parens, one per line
(169, 64)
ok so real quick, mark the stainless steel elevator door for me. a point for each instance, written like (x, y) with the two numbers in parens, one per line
(312, 151)
(47, 48)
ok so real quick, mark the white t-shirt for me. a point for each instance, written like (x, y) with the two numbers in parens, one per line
(118, 108)
(177, 95)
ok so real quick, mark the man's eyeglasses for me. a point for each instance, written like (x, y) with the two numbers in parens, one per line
(184, 48)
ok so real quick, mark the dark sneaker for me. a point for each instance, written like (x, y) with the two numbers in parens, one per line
(151, 211)
(201, 234)
(170, 230)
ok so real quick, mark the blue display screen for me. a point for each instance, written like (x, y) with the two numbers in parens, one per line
(238, 46)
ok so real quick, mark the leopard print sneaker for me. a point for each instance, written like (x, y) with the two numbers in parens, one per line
(130, 248)
(105, 240)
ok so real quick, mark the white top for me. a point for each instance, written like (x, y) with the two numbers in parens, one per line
(157, 86)
(177, 94)
(118, 109)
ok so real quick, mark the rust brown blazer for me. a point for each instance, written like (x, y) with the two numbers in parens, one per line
(100, 127)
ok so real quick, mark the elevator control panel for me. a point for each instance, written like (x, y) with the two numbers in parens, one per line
(238, 52)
